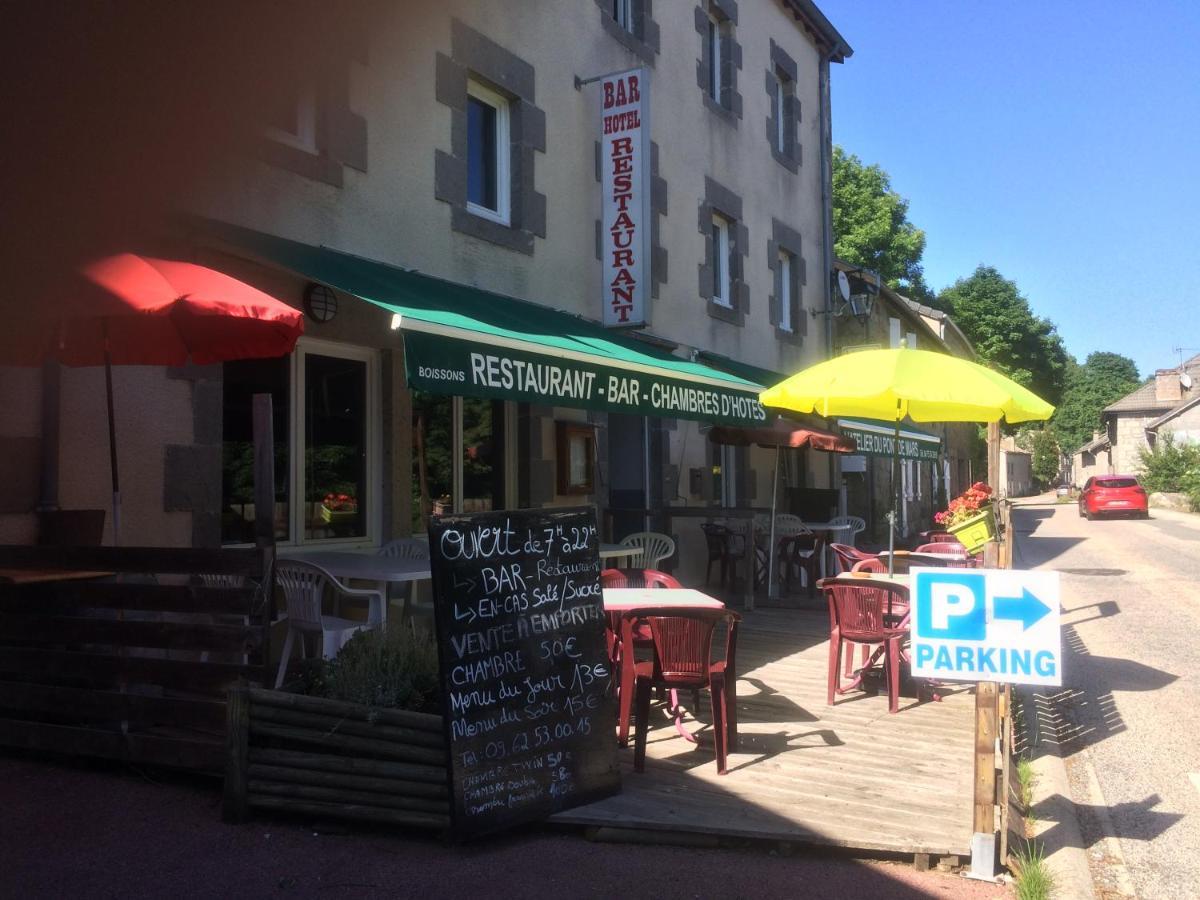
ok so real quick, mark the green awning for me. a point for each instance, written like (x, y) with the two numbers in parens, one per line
(765, 377)
(875, 438)
(467, 341)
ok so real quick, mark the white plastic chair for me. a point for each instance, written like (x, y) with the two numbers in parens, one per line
(408, 548)
(788, 525)
(304, 588)
(858, 524)
(655, 547)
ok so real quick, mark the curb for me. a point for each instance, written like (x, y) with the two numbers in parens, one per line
(1058, 829)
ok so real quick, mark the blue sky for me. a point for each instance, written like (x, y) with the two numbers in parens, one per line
(1057, 141)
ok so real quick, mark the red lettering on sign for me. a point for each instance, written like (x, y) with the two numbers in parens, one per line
(622, 257)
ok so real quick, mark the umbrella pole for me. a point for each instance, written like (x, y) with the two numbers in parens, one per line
(895, 498)
(112, 443)
(772, 590)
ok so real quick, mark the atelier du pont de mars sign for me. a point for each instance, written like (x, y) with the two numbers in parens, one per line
(625, 188)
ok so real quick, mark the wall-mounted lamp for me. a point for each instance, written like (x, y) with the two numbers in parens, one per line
(852, 298)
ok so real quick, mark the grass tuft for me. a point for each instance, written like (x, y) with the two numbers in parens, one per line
(1034, 881)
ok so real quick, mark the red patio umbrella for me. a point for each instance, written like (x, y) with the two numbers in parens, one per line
(138, 310)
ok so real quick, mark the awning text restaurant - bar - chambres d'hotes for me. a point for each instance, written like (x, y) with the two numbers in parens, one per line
(462, 340)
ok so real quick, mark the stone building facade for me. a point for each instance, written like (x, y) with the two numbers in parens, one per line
(376, 157)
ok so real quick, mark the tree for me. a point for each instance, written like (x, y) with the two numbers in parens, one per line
(1006, 334)
(1047, 459)
(871, 227)
(1102, 379)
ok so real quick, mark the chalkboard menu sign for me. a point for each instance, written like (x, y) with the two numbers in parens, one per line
(530, 721)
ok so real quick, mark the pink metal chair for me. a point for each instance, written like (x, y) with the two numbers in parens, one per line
(867, 613)
(682, 643)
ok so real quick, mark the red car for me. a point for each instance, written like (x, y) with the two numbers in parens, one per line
(1113, 494)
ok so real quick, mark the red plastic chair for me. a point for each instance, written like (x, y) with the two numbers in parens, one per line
(682, 642)
(637, 578)
(847, 556)
(941, 537)
(623, 685)
(866, 613)
(870, 564)
(955, 556)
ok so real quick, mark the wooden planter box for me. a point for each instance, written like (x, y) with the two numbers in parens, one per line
(330, 759)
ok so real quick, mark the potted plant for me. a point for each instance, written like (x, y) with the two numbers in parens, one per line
(970, 517)
(338, 507)
(356, 737)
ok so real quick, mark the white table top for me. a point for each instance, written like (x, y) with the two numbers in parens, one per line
(624, 599)
(616, 551)
(367, 566)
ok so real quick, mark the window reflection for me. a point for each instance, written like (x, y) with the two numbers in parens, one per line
(335, 455)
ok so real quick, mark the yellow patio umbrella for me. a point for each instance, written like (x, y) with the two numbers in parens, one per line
(896, 384)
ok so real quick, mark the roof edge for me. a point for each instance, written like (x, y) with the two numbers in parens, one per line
(815, 20)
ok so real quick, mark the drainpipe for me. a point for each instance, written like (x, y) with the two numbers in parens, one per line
(826, 165)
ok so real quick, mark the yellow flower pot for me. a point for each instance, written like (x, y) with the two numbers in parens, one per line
(976, 531)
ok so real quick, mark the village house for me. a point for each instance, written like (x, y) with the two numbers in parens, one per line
(1168, 402)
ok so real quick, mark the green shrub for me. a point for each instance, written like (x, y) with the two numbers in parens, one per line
(392, 669)
(1168, 466)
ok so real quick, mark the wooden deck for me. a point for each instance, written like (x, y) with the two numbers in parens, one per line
(850, 775)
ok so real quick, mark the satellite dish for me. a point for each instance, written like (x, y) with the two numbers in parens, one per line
(843, 284)
(1186, 380)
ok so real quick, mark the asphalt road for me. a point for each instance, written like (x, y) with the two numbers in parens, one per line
(1127, 720)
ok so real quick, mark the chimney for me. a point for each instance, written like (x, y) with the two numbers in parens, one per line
(1167, 388)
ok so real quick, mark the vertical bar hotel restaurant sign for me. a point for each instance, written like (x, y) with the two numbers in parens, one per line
(625, 185)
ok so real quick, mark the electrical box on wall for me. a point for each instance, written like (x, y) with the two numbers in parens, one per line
(696, 481)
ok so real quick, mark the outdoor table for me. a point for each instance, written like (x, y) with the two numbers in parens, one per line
(382, 570)
(42, 576)
(619, 552)
(622, 600)
(619, 600)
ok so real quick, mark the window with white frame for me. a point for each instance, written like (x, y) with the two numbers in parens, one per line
(326, 436)
(715, 52)
(785, 290)
(292, 118)
(488, 153)
(782, 115)
(622, 13)
(894, 332)
(722, 271)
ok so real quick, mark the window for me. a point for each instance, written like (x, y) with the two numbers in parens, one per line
(622, 13)
(722, 286)
(780, 115)
(327, 479)
(785, 290)
(911, 340)
(292, 119)
(893, 333)
(487, 154)
(714, 59)
(459, 453)
(576, 451)
(782, 73)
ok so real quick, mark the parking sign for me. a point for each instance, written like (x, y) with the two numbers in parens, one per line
(986, 625)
